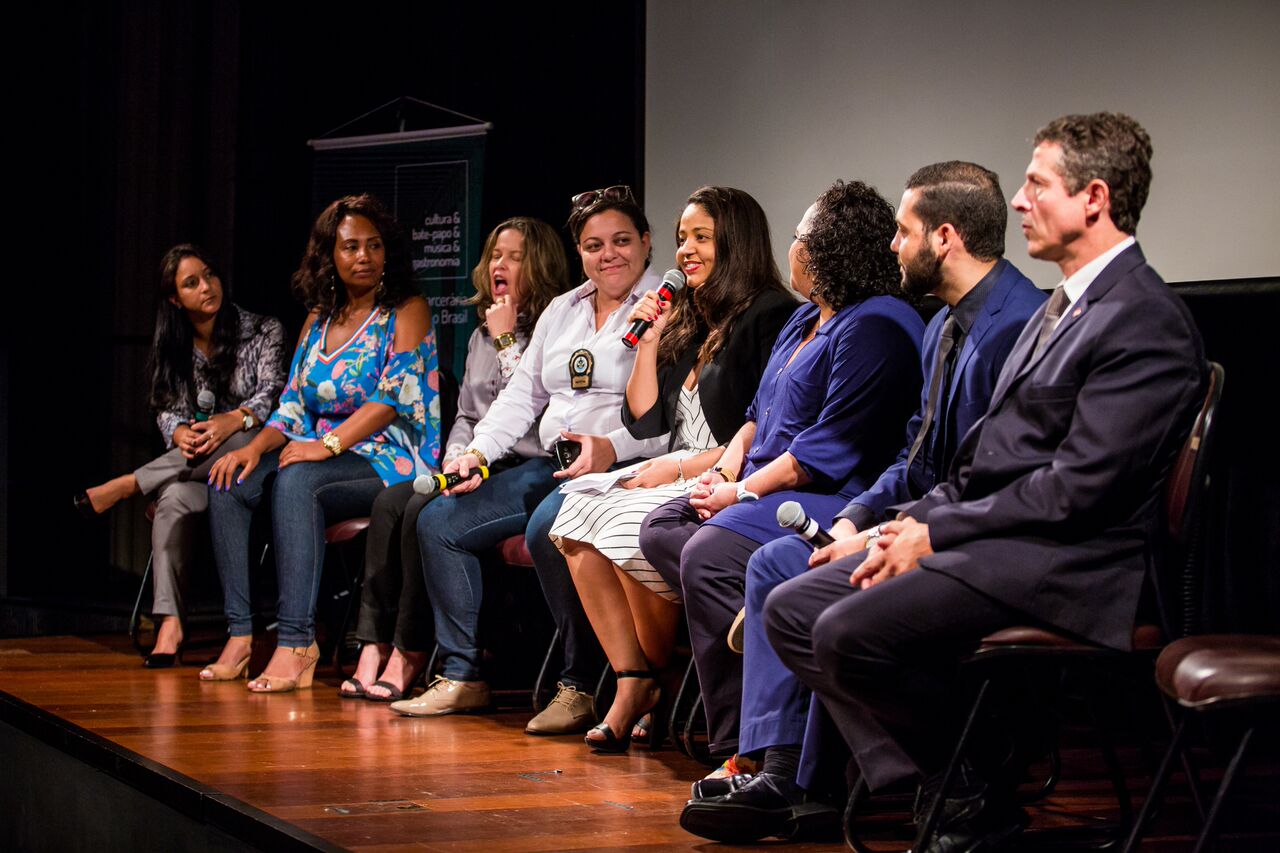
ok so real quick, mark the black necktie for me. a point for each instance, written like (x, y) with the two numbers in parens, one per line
(945, 343)
(1052, 314)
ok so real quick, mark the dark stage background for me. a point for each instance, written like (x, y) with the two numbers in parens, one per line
(149, 124)
(137, 126)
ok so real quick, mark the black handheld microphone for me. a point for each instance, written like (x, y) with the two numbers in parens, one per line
(429, 484)
(672, 283)
(205, 401)
(792, 515)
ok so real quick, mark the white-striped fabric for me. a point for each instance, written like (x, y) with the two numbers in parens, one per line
(610, 523)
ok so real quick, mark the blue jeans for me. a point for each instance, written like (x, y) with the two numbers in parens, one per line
(305, 497)
(453, 530)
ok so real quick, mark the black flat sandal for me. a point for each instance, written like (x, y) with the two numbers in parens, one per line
(611, 743)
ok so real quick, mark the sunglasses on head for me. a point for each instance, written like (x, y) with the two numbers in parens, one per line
(620, 192)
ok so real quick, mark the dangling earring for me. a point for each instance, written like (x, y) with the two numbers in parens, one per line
(333, 282)
(381, 290)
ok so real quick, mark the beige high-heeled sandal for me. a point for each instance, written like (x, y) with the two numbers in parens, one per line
(278, 684)
(229, 672)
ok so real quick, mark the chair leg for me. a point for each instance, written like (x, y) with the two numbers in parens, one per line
(676, 723)
(1154, 797)
(351, 608)
(1184, 758)
(432, 663)
(925, 834)
(1215, 810)
(539, 685)
(136, 618)
(1114, 770)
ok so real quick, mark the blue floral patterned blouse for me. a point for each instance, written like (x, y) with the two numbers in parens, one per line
(325, 388)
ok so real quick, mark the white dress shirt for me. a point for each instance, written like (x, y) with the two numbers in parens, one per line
(1078, 282)
(542, 379)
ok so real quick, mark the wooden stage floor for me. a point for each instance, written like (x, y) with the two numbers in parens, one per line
(355, 774)
(325, 772)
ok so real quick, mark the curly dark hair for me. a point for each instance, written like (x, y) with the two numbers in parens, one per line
(744, 268)
(847, 246)
(544, 269)
(969, 197)
(1111, 147)
(316, 284)
(170, 361)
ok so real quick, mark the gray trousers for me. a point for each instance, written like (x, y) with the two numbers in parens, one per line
(181, 493)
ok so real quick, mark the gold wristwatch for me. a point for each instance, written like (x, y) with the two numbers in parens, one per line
(332, 443)
(504, 340)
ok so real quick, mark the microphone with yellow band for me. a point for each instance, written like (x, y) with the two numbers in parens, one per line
(429, 484)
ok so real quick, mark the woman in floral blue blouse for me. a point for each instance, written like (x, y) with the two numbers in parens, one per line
(361, 411)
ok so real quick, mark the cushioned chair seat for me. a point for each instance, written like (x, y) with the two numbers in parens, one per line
(1220, 670)
(515, 552)
(1023, 637)
(345, 531)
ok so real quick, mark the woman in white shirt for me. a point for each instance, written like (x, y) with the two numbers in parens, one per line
(577, 368)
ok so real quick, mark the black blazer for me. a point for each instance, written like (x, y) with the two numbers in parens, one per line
(728, 383)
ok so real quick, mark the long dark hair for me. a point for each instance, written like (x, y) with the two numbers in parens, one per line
(744, 269)
(170, 362)
(848, 246)
(316, 284)
(545, 270)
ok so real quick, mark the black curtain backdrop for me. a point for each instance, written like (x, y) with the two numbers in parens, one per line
(149, 123)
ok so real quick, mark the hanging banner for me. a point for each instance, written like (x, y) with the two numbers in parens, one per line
(433, 186)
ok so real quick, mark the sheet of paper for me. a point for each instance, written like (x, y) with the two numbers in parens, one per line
(598, 484)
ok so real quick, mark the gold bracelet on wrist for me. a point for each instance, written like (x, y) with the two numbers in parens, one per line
(504, 340)
(484, 460)
(332, 443)
(726, 473)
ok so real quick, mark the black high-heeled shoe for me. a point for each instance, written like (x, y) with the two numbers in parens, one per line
(163, 660)
(166, 660)
(611, 743)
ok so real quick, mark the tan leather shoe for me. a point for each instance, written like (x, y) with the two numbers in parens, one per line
(570, 713)
(445, 696)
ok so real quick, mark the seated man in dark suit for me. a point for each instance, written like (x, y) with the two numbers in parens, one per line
(1048, 513)
(949, 243)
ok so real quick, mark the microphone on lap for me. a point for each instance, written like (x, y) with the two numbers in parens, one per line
(205, 401)
(792, 515)
(672, 283)
(429, 484)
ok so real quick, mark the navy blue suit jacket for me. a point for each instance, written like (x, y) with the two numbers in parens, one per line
(1051, 502)
(1004, 313)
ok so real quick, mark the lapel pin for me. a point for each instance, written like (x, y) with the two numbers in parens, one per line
(1076, 313)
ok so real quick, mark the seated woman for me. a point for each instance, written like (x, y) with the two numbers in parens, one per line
(521, 269)
(575, 368)
(696, 369)
(843, 379)
(204, 345)
(361, 411)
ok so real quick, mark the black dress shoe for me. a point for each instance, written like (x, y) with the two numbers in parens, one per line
(975, 819)
(767, 805)
(705, 789)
